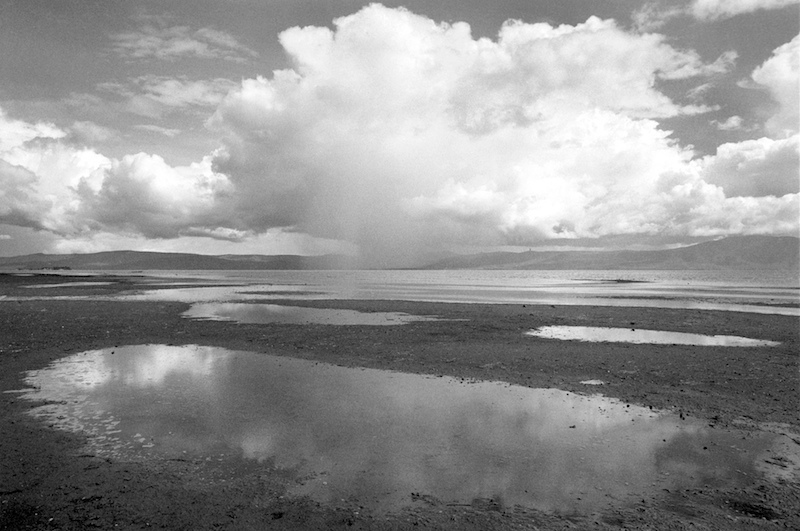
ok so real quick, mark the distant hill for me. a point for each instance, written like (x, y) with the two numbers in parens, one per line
(737, 252)
(740, 252)
(136, 260)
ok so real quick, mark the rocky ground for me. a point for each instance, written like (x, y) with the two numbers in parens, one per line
(47, 481)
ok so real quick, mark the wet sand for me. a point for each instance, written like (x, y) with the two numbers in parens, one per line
(48, 481)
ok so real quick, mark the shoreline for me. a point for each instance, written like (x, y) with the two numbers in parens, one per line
(738, 388)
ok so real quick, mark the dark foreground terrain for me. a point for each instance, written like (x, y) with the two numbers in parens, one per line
(48, 481)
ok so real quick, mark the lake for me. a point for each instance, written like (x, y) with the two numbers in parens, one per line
(770, 292)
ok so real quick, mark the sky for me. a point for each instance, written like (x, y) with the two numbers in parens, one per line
(395, 131)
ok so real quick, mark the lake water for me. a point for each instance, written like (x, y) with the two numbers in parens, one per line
(770, 292)
(642, 336)
(375, 437)
(765, 292)
(279, 313)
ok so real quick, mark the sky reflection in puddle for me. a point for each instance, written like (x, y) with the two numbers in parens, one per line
(276, 313)
(635, 335)
(377, 436)
(69, 285)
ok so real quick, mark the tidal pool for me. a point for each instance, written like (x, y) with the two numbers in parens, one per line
(276, 313)
(636, 335)
(376, 437)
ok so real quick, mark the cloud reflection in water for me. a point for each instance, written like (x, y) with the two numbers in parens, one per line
(378, 436)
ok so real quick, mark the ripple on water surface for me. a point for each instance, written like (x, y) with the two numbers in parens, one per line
(378, 436)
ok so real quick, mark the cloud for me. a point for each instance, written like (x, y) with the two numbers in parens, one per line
(733, 123)
(14, 133)
(171, 43)
(142, 194)
(37, 169)
(396, 133)
(756, 168)
(158, 129)
(781, 75)
(182, 92)
(20, 204)
(272, 242)
(654, 14)
(393, 129)
(48, 184)
(716, 9)
(154, 96)
(88, 133)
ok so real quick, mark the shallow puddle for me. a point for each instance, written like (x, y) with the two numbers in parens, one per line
(276, 313)
(375, 437)
(635, 335)
(69, 285)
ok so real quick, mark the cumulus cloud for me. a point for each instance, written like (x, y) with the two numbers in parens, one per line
(20, 203)
(48, 184)
(781, 75)
(392, 128)
(142, 194)
(756, 168)
(171, 43)
(396, 133)
(39, 176)
(14, 133)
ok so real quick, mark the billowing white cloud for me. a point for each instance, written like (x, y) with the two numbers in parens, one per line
(38, 170)
(14, 133)
(49, 184)
(395, 133)
(756, 167)
(171, 43)
(142, 194)
(781, 75)
(20, 202)
(392, 128)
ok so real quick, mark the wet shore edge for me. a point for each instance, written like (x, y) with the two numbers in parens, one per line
(46, 482)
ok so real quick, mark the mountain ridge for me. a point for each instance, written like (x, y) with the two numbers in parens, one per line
(736, 252)
(148, 260)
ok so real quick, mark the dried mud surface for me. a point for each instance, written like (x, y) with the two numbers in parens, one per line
(47, 481)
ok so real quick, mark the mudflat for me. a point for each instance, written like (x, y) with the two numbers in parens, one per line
(49, 481)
